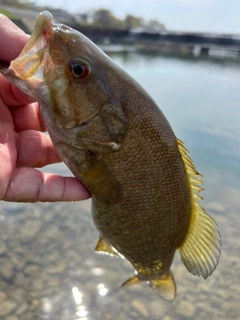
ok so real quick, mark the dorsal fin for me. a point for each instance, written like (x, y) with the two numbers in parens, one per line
(201, 249)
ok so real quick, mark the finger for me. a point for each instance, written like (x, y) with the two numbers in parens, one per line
(27, 118)
(5, 115)
(11, 96)
(35, 149)
(31, 185)
(12, 40)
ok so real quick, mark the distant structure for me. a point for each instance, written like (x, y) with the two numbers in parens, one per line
(164, 42)
(152, 38)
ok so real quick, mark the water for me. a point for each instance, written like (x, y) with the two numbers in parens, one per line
(47, 265)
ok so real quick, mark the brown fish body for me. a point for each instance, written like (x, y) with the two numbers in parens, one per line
(149, 219)
(114, 138)
(143, 209)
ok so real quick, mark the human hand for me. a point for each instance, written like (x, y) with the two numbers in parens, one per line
(23, 145)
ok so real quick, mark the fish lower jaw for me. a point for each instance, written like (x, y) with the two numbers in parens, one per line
(28, 87)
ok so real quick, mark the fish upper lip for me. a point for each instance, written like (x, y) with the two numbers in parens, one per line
(30, 59)
(30, 62)
(43, 27)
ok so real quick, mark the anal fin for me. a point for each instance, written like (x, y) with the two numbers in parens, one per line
(104, 248)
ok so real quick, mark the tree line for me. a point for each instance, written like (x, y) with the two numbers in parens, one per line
(24, 4)
(101, 17)
(104, 17)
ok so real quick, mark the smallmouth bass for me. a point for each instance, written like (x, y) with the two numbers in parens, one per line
(115, 139)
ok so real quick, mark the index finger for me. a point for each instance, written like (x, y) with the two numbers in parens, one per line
(12, 39)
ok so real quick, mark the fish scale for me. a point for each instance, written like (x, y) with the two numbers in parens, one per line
(115, 139)
(146, 207)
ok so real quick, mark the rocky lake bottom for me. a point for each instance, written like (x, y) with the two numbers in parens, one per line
(48, 270)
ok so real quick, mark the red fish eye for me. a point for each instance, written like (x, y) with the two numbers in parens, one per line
(79, 69)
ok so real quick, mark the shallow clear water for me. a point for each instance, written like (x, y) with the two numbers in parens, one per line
(48, 269)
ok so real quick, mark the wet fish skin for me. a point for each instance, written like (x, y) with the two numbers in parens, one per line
(115, 139)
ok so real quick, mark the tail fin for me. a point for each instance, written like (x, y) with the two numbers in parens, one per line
(165, 287)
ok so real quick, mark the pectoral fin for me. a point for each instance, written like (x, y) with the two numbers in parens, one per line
(201, 249)
(101, 183)
(103, 247)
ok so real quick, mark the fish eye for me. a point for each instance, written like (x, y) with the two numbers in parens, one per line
(79, 69)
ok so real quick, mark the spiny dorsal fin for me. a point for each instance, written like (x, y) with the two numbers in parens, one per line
(201, 249)
(104, 248)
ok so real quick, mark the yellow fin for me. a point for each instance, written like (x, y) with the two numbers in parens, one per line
(201, 249)
(133, 280)
(103, 247)
(165, 287)
(101, 183)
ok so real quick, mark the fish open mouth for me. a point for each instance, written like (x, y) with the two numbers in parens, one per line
(30, 62)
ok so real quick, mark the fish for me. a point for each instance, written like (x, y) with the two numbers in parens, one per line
(115, 139)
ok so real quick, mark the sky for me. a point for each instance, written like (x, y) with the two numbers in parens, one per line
(221, 16)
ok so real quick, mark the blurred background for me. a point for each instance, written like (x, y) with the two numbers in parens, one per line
(185, 53)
